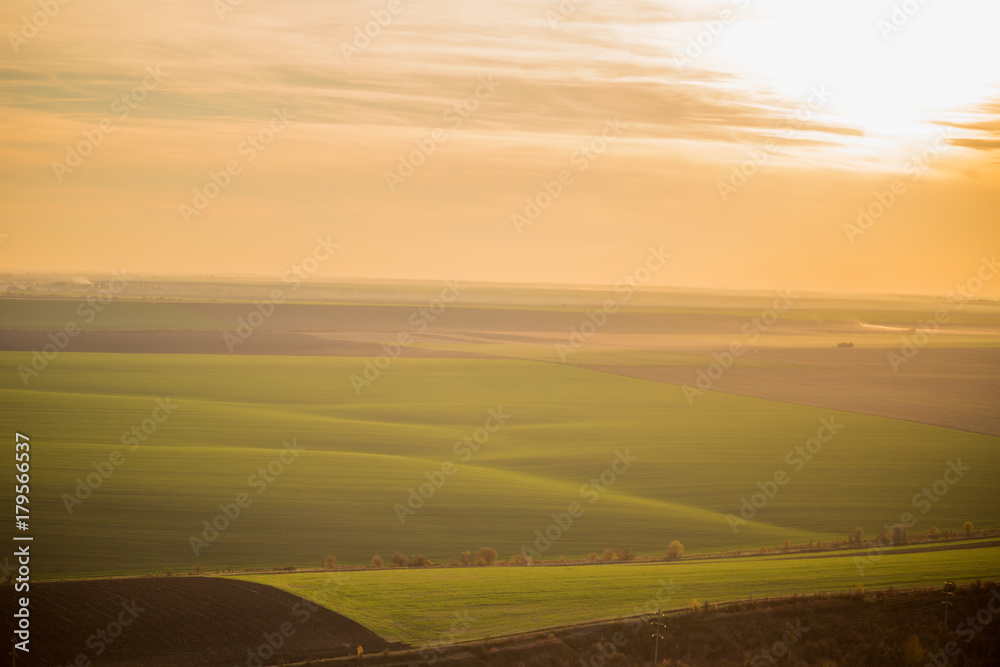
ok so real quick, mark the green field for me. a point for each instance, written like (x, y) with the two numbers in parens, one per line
(363, 453)
(420, 606)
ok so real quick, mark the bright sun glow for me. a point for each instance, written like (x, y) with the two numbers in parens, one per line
(890, 75)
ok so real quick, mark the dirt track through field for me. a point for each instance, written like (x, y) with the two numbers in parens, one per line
(181, 621)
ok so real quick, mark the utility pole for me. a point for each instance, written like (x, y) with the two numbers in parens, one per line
(949, 593)
(658, 625)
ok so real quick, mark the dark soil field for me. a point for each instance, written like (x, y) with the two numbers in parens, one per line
(180, 621)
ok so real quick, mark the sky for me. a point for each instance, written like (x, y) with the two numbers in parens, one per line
(847, 146)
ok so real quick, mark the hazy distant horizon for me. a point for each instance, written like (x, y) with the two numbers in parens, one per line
(345, 281)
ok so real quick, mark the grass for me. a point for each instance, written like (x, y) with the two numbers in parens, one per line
(363, 453)
(420, 606)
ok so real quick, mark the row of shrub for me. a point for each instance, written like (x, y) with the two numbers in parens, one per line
(488, 556)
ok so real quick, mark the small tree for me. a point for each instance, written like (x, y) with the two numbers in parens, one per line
(419, 560)
(518, 558)
(329, 562)
(855, 537)
(609, 554)
(787, 544)
(398, 559)
(625, 554)
(376, 561)
(488, 555)
(196, 569)
(465, 558)
(592, 557)
(913, 651)
(675, 550)
(967, 527)
(168, 571)
(899, 534)
(934, 533)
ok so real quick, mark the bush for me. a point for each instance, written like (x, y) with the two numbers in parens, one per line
(488, 555)
(934, 533)
(398, 560)
(168, 571)
(676, 550)
(518, 559)
(196, 569)
(967, 527)
(419, 560)
(329, 562)
(625, 554)
(592, 557)
(899, 534)
(465, 558)
(376, 561)
(609, 554)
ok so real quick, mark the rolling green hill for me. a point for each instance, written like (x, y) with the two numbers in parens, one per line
(360, 455)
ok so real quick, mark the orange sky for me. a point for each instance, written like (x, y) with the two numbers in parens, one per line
(826, 105)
